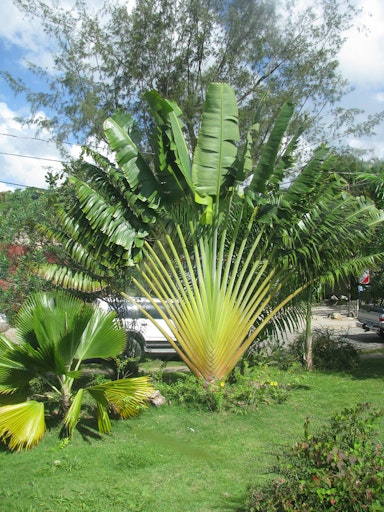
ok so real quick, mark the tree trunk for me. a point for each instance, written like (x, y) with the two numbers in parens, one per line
(65, 404)
(308, 348)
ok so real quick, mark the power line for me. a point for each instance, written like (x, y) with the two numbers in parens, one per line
(73, 144)
(26, 137)
(35, 157)
(20, 185)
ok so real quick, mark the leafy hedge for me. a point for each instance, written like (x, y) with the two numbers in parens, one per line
(339, 469)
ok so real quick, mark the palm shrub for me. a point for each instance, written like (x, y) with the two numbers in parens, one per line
(56, 334)
(224, 242)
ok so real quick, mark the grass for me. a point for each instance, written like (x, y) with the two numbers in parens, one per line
(176, 459)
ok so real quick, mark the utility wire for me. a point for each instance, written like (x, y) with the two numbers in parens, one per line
(35, 157)
(20, 185)
(26, 137)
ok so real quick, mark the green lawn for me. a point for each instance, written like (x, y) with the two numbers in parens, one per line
(172, 459)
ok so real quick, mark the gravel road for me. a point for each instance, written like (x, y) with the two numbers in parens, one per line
(349, 327)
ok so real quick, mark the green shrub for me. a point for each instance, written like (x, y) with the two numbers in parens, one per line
(330, 351)
(271, 352)
(245, 390)
(341, 469)
(123, 366)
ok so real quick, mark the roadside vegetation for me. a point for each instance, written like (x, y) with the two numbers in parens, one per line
(225, 261)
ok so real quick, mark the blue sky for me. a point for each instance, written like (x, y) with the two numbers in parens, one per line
(361, 61)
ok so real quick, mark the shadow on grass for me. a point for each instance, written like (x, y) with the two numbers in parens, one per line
(87, 428)
(231, 505)
(371, 367)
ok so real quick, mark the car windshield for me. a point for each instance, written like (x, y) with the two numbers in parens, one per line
(125, 309)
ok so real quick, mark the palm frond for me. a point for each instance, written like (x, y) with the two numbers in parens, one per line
(103, 421)
(72, 416)
(16, 370)
(203, 299)
(22, 425)
(100, 327)
(127, 396)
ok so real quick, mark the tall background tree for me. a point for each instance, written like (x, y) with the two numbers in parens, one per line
(104, 60)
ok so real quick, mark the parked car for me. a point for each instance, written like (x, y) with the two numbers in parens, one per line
(144, 339)
(371, 317)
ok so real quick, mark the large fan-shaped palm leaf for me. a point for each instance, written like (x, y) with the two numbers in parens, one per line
(22, 425)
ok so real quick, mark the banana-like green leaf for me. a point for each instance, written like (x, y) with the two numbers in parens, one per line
(267, 160)
(73, 280)
(215, 155)
(111, 182)
(172, 154)
(22, 425)
(130, 160)
(107, 218)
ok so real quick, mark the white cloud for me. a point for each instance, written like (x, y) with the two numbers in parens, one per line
(25, 34)
(24, 159)
(379, 97)
(362, 55)
(374, 146)
(6, 188)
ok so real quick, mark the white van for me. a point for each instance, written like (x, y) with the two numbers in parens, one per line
(144, 339)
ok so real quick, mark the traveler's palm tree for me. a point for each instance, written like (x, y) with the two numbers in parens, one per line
(224, 242)
(56, 333)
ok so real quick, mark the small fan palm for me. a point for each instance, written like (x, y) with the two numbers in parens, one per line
(56, 334)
